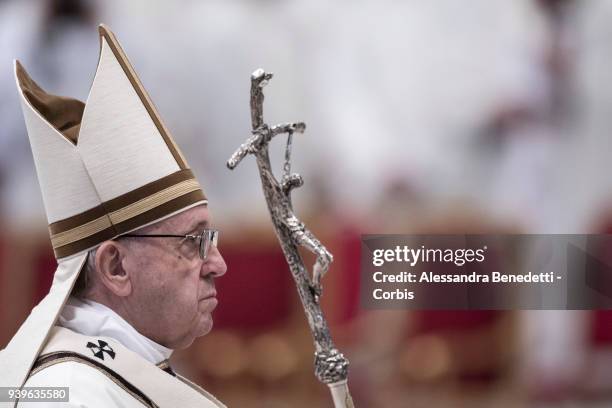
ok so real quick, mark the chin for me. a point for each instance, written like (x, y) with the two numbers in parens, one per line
(206, 326)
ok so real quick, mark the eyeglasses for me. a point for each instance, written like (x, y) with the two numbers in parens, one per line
(204, 240)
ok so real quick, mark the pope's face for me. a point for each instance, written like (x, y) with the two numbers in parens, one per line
(173, 289)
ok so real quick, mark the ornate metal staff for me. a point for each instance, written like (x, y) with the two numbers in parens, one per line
(331, 367)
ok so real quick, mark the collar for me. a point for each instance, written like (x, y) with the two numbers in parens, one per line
(91, 318)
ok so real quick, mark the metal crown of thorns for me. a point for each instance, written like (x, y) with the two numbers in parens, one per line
(330, 365)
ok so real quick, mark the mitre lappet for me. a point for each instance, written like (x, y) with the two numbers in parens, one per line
(105, 167)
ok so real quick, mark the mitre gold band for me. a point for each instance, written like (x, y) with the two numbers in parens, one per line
(125, 213)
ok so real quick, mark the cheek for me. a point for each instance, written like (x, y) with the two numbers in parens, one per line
(181, 293)
(172, 290)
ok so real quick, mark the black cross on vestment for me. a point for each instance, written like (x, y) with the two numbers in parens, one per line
(99, 349)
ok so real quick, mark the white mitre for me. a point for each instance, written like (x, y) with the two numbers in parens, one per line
(105, 168)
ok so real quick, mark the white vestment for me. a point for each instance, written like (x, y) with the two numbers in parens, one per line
(89, 386)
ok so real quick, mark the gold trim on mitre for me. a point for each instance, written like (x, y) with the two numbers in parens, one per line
(126, 212)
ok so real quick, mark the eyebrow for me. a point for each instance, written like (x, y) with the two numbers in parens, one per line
(199, 226)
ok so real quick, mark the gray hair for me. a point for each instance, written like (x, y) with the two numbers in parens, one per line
(83, 284)
(85, 279)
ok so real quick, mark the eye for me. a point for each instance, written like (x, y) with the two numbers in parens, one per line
(190, 243)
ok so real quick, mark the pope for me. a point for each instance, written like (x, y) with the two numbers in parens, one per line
(137, 254)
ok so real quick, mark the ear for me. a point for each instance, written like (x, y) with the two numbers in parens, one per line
(110, 268)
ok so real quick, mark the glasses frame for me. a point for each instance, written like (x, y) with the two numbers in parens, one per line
(206, 238)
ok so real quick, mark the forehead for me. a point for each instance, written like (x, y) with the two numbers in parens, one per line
(186, 221)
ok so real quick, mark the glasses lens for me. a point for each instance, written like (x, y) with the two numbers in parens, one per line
(207, 238)
(203, 245)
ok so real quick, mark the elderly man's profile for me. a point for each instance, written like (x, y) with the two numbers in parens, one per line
(137, 253)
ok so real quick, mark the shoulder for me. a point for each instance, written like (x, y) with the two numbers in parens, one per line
(88, 386)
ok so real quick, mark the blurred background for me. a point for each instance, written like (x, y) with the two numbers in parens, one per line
(490, 116)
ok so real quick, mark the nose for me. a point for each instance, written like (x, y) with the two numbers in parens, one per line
(214, 263)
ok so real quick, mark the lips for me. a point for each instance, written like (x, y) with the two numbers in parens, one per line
(209, 303)
(211, 295)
